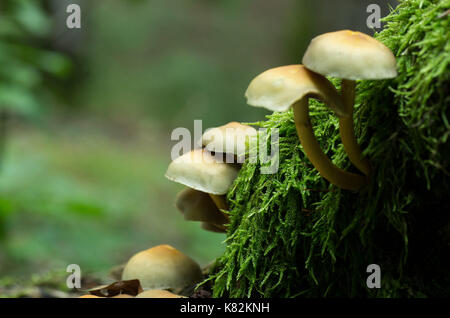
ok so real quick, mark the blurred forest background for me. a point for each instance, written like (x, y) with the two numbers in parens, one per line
(86, 115)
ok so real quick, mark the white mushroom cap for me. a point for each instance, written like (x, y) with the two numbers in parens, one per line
(199, 170)
(232, 138)
(162, 267)
(198, 206)
(350, 55)
(277, 89)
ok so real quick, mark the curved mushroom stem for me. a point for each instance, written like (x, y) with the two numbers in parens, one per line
(221, 203)
(337, 176)
(347, 131)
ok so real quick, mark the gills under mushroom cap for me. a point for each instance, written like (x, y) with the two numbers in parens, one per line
(200, 170)
(162, 267)
(277, 89)
(350, 55)
(198, 206)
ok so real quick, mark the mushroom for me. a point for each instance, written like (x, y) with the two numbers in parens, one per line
(158, 293)
(211, 227)
(162, 267)
(351, 56)
(283, 87)
(90, 296)
(232, 138)
(199, 170)
(198, 206)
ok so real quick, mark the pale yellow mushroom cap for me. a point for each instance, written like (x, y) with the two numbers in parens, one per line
(277, 89)
(158, 293)
(350, 55)
(232, 138)
(198, 206)
(162, 267)
(200, 170)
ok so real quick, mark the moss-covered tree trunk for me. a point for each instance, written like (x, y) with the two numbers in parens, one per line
(294, 234)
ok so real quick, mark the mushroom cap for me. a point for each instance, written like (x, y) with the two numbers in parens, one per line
(158, 293)
(123, 296)
(198, 206)
(162, 267)
(350, 55)
(277, 89)
(230, 138)
(200, 170)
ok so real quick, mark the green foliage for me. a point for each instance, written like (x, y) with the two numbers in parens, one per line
(24, 67)
(293, 234)
(24, 25)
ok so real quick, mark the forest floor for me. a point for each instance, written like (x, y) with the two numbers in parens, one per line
(86, 194)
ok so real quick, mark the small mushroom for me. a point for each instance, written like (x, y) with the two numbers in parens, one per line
(351, 56)
(281, 88)
(199, 170)
(232, 138)
(162, 267)
(198, 206)
(158, 293)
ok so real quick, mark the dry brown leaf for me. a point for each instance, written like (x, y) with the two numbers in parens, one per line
(130, 287)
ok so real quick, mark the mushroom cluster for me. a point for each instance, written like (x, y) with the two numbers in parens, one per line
(208, 173)
(345, 54)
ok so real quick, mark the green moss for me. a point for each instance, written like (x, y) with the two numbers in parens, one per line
(294, 234)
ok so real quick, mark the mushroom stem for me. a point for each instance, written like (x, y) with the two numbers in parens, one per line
(337, 176)
(347, 131)
(221, 203)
